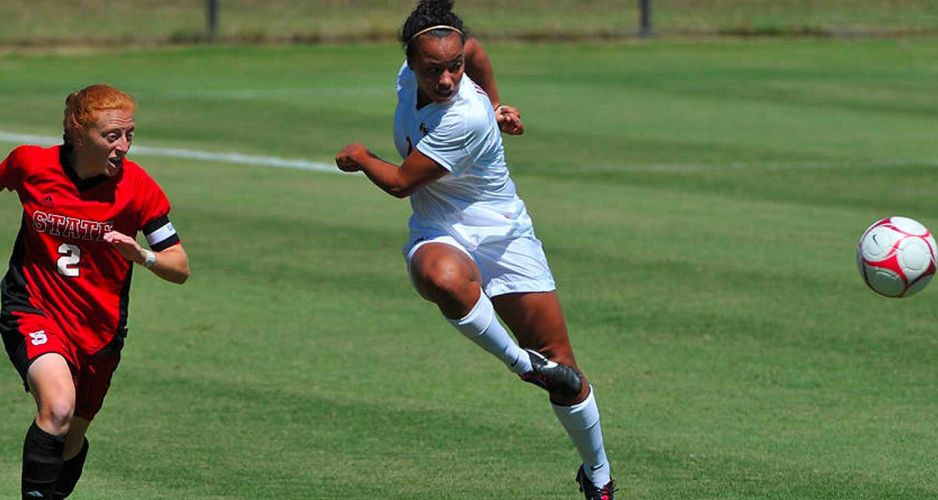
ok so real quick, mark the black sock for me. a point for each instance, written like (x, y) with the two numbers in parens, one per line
(71, 472)
(42, 461)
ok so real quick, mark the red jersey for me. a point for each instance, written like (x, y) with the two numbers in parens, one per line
(61, 267)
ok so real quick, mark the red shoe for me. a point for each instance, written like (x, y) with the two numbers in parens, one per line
(607, 492)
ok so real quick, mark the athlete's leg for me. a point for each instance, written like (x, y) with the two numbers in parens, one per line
(448, 277)
(94, 379)
(52, 386)
(75, 439)
(537, 321)
(50, 382)
(76, 451)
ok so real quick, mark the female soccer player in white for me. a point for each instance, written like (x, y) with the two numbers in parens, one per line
(472, 249)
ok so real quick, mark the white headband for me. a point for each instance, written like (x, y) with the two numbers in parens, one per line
(431, 28)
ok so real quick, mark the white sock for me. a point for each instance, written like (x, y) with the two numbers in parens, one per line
(581, 422)
(482, 327)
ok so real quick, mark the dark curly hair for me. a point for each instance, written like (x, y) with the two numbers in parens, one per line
(430, 13)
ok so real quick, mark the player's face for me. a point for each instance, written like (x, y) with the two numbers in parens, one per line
(438, 64)
(107, 141)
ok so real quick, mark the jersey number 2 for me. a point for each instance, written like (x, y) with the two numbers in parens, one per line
(68, 262)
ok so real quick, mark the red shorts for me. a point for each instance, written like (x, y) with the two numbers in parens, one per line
(27, 336)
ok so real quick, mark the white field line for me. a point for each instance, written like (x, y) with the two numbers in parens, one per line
(190, 154)
(277, 162)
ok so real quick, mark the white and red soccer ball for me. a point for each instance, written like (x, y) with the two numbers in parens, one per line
(897, 256)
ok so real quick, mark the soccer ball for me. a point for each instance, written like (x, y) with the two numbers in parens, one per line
(897, 256)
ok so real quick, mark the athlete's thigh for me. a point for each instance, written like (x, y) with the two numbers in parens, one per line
(41, 355)
(50, 381)
(537, 321)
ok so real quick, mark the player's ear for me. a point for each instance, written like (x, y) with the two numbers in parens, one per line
(74, 133)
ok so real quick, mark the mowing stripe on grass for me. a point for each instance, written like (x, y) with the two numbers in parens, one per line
(682, 168)
(274, 93)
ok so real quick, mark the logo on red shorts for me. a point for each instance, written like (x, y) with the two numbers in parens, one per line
(38, 337)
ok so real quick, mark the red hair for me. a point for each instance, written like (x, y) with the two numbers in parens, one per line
(81, 106)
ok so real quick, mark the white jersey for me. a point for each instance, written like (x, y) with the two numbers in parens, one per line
(476, 201)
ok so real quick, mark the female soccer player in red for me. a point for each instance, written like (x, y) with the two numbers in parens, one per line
(472, 249)
(65, 296)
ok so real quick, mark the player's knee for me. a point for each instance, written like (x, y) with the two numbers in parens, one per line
(558, 352)
(562, 356)
(55, 415)
(442, 282)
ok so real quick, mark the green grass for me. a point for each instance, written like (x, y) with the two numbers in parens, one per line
(45, 22)
(699, 204)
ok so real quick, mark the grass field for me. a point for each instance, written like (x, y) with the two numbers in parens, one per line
(45, 22)
(699, 203)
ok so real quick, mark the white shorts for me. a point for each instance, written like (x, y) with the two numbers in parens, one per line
(515, 265)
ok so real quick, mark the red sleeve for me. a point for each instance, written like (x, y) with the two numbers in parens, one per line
(11, 173)
(155, 203)
(153, 215)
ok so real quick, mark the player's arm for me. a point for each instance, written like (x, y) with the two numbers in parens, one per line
(479, 68)
(417, 169)
(171, 264)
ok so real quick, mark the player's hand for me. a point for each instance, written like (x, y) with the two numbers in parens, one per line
(348, 158)
(509, 120)
(127, 246)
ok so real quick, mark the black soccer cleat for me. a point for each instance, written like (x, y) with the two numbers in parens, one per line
(607, 492)
(553, 377)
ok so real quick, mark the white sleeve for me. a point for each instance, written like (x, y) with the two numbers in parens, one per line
(446, 144)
